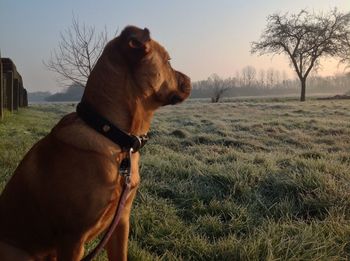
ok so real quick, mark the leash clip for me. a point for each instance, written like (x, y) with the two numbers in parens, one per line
(125, 167)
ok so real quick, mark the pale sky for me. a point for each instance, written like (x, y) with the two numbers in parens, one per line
(202, 36)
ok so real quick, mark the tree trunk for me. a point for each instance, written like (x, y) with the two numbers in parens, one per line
(303, 89)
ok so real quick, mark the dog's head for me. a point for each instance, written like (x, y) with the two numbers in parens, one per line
(150, 68)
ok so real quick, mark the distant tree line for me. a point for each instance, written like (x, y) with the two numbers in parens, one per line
(250, 82)
(72, 93)
(38, 96)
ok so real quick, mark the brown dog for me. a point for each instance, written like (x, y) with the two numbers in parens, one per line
(65, 191)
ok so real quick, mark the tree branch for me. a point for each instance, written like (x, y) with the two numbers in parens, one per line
(77, 53)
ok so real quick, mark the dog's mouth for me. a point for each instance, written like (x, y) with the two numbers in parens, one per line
(175, 99)
(182, 94)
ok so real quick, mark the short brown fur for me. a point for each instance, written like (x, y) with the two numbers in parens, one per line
(65, 191)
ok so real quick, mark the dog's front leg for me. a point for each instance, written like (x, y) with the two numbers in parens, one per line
(117, 246)
(70, 250)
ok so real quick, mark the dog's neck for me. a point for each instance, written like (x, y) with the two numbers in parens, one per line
(110, 92)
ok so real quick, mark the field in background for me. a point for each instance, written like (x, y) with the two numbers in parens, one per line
(243, 180)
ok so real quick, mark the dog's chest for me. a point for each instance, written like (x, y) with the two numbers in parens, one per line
(115, 193)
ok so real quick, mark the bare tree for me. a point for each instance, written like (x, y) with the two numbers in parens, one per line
(77, 52)
(345, 54)
(219, 87)
(239, 79)
(305, 38)
(262, 76)
(284, 76)
(248, 75)
(270, 77)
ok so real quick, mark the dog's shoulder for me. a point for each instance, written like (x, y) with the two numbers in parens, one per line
(72, 131)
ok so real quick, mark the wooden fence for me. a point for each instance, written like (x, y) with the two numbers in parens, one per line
(12, 93)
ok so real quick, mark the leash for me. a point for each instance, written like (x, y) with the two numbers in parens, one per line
(125, 171)
(129, 143)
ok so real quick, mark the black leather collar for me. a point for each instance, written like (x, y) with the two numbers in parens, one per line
(107, 129)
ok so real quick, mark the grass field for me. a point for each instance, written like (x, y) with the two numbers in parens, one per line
(243, 180)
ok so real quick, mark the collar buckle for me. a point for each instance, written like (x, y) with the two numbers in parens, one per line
(139, 141)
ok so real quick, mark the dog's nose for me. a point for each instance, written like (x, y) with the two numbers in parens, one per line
(184, 83)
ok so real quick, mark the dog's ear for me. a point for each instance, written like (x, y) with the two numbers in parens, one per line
(140, 40)
(137, 41)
